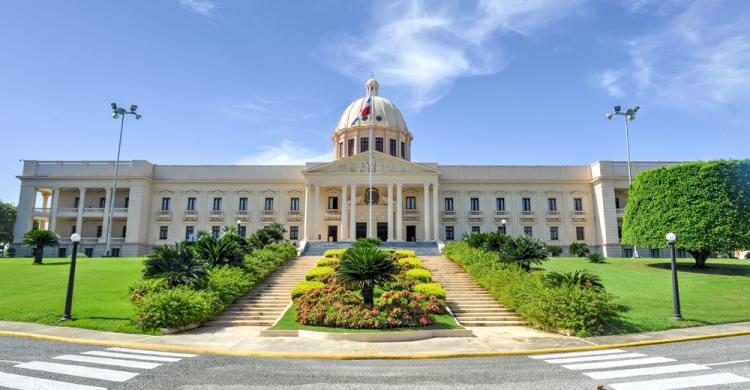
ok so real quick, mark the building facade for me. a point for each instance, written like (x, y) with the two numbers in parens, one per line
(338, 200)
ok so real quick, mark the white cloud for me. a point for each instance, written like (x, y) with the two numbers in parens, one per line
(425, 48)
(203, 7)
(285, 153)
(609, 80)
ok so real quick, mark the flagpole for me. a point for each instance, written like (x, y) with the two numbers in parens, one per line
(371, 144)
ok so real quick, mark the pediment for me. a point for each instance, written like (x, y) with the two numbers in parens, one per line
(382, 163)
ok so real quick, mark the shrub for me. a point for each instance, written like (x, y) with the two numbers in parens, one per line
(554, 251)
(229, 283)
(578, 278)
(406, 252)
(337, 253)
(363, 268)
(421, 275)
(368, 241)
(283, 250)
(579, 249)
(747, 255)
(523, 251)
(11, 252)
(219, 251)
(175, 308)
(176, 265)
(434, 289)
(329, 262)
(596, 258)
(410, 262)
(317, 273)
(144, 287)
(261, 262)
(303, 287)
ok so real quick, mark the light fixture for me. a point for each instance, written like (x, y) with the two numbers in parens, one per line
(75, 237)
(610, 115)
(617, 108)
(114, 107)
(133, 107)
(504, 221)
(239, 222)
(671, 237)
(636, 108)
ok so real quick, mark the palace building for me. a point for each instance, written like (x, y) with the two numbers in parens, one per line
(328, 201)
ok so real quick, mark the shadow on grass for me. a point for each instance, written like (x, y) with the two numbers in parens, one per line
(710, 269)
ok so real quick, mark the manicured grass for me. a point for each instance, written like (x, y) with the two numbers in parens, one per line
(717, 294)
(287, 322)
(36, 293)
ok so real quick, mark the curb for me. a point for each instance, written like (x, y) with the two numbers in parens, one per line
(351, 356)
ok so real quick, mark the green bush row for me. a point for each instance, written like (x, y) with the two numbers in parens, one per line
(430, 289)
(554, 308)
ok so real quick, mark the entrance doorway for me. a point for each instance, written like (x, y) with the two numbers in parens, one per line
(361, 230)
(411, 233)
(383, 231)
(332, 233)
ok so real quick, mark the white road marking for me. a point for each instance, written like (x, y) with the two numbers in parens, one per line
(645, 371)
(81, 371)
(596, 358)
(732, 362)
(108, 361)
(21, 382)
(131, 356)
(157, 353)
(575, 354)
(618, 363)
(682, 382)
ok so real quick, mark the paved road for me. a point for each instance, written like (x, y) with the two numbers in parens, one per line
(32, 364)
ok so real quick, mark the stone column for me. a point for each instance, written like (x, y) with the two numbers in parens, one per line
(25, 216)
(426, 211)
(306, 222)
(390, 211)
(316, 212)
(344, 212)
(435, 221)
(399, 213)
(353, 221)
(604, 193)
(79, 217)
(55, 206)
(105, 220)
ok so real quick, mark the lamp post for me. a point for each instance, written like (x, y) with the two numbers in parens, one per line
(671, 238)
(117, 112)
(628, 115)
(503, 222)
(75, 238)
(239, 233)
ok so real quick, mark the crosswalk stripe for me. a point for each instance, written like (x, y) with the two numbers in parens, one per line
(157, 353)
(643, 371)
(618, 363)
(595, 358)
(131, 356)
(81, 371)
(21, 382)
(682, 382)
(575, 354)
(108, 361)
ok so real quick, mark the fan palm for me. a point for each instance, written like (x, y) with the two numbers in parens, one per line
(579, 278)
(523, 251)
(40, 239)
(363, 268)
(176, 265)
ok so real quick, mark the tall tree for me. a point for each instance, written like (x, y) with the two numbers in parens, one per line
(40, 239)
(7, 220)
(706, 204)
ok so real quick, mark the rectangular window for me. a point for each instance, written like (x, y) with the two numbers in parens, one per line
(98, 231)
(268, 204)
(554, 233)
(500, 204)
(577, 204)
(552, 204)
(72, 229)
(403, 150)
(379, 144)
(216, 231)
(165, 203)
(333, 203)
(294, 206)
(474, 204)
(681, 253)
(89, 252)
(526, 204)
(124, 231)
(341, 149)
(655, 253)
(294, 232)
(411, 202)
(449, 233)
(163, 232)
(115, 252)
(501, 229)
(191, 204)
(242, 230)
(217, 204)
(350, 147)
(580, 233)
(364, 144)
(243, 204)
(527, 230)
(476, 229)
(448, 204)
(392, 147)
(127, 202)
(619, 231)
(189, 232)
(76, 202)
(627, 252)
(102, 203)
(617, 202)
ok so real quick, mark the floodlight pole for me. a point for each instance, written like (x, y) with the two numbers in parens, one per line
(630, 172)
(114, 191)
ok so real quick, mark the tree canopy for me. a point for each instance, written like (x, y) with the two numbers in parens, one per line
(706, 204)
(7, 220)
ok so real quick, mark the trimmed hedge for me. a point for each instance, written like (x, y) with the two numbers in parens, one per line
(175, 308)
(563, 308)
(318, 273)
(328, 262)
(302, 287)
(434, 289)
(410, 262)
(421, 275)
(406, 252)
(337, 253)
(229, 283)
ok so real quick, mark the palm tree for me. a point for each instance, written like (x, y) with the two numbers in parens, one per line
(40, 239)
(579, 278)
(218, 251)
(363, 268)
(176, 265)
(524, 251)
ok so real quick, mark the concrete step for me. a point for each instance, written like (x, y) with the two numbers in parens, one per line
(481, 311)
(241, 323)
(463, 319)
(492, 323)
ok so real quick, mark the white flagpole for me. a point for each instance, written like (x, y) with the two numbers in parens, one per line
(371, 144)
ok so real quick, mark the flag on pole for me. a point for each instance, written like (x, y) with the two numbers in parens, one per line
(365, 110)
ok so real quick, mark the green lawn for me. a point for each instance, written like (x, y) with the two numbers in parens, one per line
(717, 294)
(36, 293)
(287, 322)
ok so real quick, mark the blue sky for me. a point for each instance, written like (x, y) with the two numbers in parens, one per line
(506, 82)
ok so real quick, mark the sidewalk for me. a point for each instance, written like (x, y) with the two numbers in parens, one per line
(247, 340)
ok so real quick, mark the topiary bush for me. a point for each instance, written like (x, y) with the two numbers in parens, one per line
(434, 289)
(579, 249)
(329, 262)
(317, 273)
(405, 252)
(176, 308)
(596, 258)
(420, 275)
(338, 253)
(554, 251)
(410, 262)
(229, 283)
(303, 287)
(143, 287)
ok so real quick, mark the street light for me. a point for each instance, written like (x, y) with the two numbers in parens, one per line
(629, 115)
(239, 222)
(671, 238)
(117, 112)
(503, 222)
(75, 238)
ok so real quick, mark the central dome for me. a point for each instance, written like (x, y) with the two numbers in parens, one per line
(384, 113)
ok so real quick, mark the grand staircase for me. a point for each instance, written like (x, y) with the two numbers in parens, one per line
(467, 299)
(265, 303)
(420, 248)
